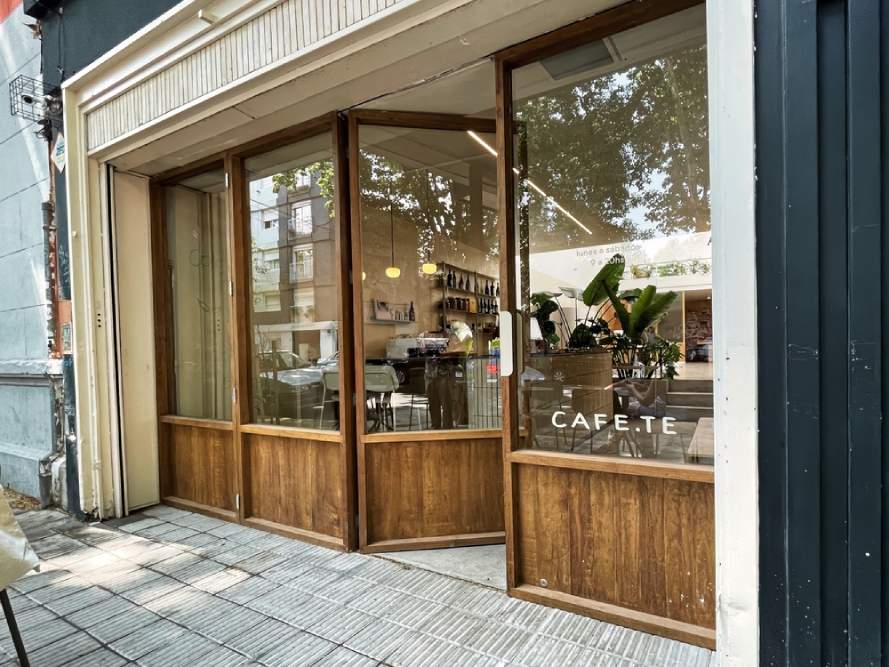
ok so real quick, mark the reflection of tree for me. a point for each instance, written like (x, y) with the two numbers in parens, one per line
(626, 153)
(438, 207)
(320, 172)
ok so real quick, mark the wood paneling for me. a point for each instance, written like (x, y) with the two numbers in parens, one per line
(638, 542)
(200, 464)
(419, 490)
(294, 482)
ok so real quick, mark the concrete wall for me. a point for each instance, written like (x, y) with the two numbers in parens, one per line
(27, 376)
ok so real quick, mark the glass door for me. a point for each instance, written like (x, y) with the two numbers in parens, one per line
(605, 192)
(426, 264)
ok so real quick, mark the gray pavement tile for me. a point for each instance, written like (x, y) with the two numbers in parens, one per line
(414, 612)
(233, 554)
(201, 616)
(71, 603)
(593, 658)
(97, 560)
(452, 624)
(189, 650)
(158, 531)
(102, 611)
(164, 512)
(343, 657)
(291, 568)
(154, 555)
(125, 580)
(54, 545)
(482, 601)
(379, 640)
(422, 650)
(140, 524)
(102, 657)
(117, 627)
(524, 615)
(197, 540)
(64, 587)
(345, 562)
(152, 589)
(34, 580)
(499, 641)
(345, 589)
(377, 569)
(245, 535)
(219, 580)
(314, 580)
(229, 625)
(38, 627)
(298, 609)
(197, 522)
(176, 563)
(565, 626)
(377, 600)
(300, 649)
(546, 651)
(225, 529)
(261, 562)
(340, 627)
(197, 571)
(63, 650)
(262, 637)
(180, 602)
(248, 590)
(178, 534)
(92, 534)
(662, 652)
(148, 638)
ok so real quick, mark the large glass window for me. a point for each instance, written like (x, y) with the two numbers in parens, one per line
(430, 279)
(294, 317)
(613, 216)
(197, 261)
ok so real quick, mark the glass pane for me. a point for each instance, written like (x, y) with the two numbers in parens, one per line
(294, 316)
(431, 279)
(614, 281)
(197, 256)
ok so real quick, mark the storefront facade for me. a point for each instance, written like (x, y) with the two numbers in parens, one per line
(356, 274)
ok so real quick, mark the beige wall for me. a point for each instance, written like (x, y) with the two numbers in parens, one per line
(136, 348)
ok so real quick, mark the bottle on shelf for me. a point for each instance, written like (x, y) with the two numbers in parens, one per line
(460, 284)
(411, 314)
(498, 290)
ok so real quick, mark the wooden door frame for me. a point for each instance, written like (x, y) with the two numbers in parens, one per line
(240, 334)
(410, 120)
(602, 25)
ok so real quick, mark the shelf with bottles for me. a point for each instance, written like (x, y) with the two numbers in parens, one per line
(452, 278)
(386, 312)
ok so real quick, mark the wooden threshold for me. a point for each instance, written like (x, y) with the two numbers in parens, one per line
(424, 436)
(199, 508)
(638, 620)
(441, 542)
(195, 422)
(289, 432)
(614, 464)
(300, 534)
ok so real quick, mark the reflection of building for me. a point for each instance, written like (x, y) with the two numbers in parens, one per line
(294, 286)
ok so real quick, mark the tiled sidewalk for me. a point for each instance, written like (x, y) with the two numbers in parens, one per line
(168, 588)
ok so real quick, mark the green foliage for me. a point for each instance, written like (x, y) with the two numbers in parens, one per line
(322, 174)
(626, 153)
(544, 306)
(607, 278)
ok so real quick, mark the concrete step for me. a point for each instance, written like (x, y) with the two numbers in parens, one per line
(691, 398)
(702, 386)
(688, 413)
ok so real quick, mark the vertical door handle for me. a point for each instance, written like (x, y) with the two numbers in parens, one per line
(506, 343)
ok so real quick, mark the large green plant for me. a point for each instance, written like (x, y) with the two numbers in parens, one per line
(636, 348)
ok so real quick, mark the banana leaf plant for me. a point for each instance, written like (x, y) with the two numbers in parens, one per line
(636, 350)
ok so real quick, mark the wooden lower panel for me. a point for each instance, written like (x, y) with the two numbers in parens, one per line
(295, 482)
(438, 488)
(199, 465)
(641, 543)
